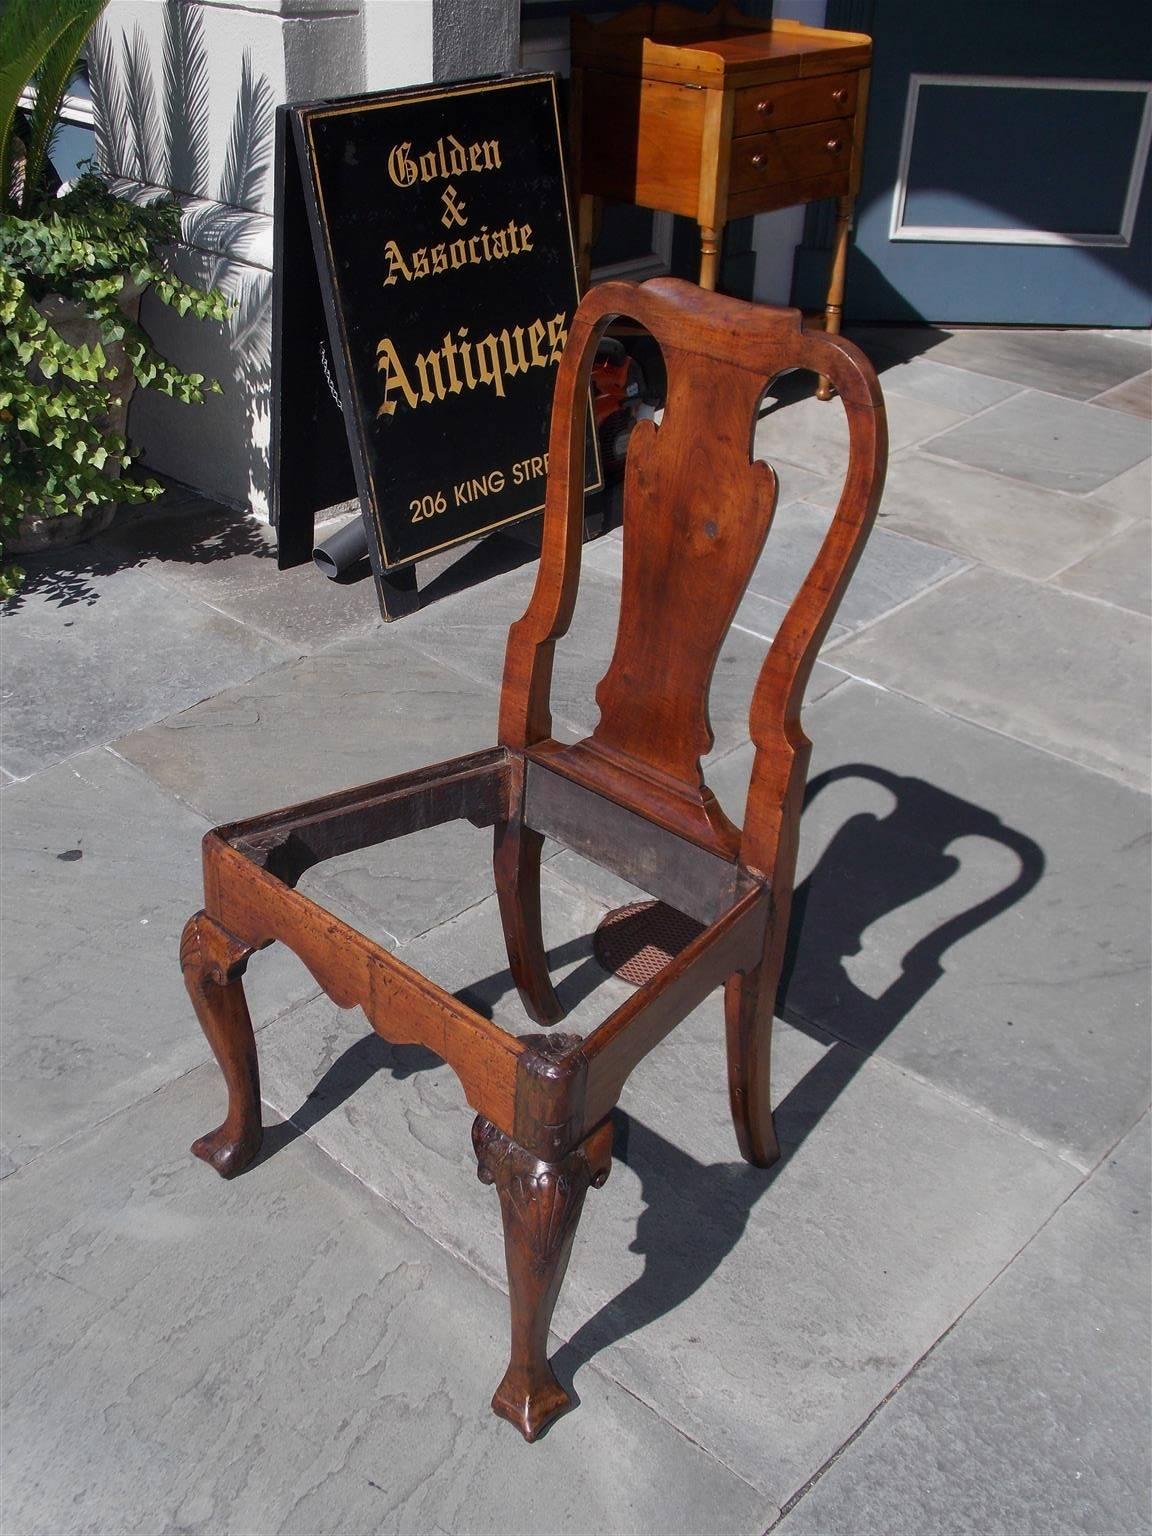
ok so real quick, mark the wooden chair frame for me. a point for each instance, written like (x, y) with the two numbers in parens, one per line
(631, 797)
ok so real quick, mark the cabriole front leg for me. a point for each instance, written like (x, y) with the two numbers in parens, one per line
(213, 961)
(540, 1203)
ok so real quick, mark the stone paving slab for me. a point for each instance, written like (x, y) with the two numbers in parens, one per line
(102, 871)
(1043, 665)
(359, 711)
(398, 890)
(976, 912)
(763, 616)
(468, 631)
(1130, 493)
(892, 569)
(283, 1354)
(693, 1281)
(1024, 529)
(1078, 364)
(194, 544)
(1134, 396)
(814, 433)
(1117, 572)
(1031, 1417)
(229, 562)
(793, 484)
(1044, 440)
(80, 672)
(301, 607)
(467, 956)
(955, 388)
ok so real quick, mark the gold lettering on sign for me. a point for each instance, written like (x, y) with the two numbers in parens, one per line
(460, 363)
(475, 250)
(454, 208)
(447, 157)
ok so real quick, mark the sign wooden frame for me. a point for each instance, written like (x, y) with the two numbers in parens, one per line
(402, 235)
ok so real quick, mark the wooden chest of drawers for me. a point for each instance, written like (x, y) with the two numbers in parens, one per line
(715, 117)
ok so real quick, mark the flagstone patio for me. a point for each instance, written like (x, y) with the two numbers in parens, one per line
(931, 1316)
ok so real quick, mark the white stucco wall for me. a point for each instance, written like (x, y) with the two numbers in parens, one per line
(253, 55)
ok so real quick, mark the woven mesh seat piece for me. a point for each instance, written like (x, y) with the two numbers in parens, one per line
(636, 942)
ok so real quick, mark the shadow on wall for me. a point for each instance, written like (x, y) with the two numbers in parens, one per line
(165, 143)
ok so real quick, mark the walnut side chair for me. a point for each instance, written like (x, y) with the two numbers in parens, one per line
(631, 797)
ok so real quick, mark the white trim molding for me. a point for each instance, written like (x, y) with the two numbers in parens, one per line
(986, 235)
(73, 108)
(655, 263)
(238, 235)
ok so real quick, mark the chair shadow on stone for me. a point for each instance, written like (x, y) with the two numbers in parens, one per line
(695, 1213)
(872, 866)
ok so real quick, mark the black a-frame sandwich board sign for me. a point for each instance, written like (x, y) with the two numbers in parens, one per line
(424, 281)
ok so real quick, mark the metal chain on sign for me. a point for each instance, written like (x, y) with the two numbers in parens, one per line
(327, 367)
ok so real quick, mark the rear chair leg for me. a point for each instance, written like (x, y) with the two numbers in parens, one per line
(749, 1000)
(516, 860)
(213, 961)
(540, 1203)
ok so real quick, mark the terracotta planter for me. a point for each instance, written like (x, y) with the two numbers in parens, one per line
(36, 531)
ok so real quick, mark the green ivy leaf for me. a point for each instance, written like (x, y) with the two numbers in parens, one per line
(54, 452)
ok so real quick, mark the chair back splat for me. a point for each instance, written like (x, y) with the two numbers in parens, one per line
(697, 511)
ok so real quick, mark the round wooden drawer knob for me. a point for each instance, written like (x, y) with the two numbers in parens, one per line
(757, 159)
(840, 96)
(764, 107)
(835, 146)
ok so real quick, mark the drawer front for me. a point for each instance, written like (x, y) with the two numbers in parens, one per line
(792, 102)
(795, 154)
(786, 194)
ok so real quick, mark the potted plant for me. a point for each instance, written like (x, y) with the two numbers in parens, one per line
(74, 263)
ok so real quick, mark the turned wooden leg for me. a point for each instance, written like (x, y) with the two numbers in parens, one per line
(834, 308)
(213, 961)
(709, 257)
(748, 1007)
(540, 1204)
(516, 859)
